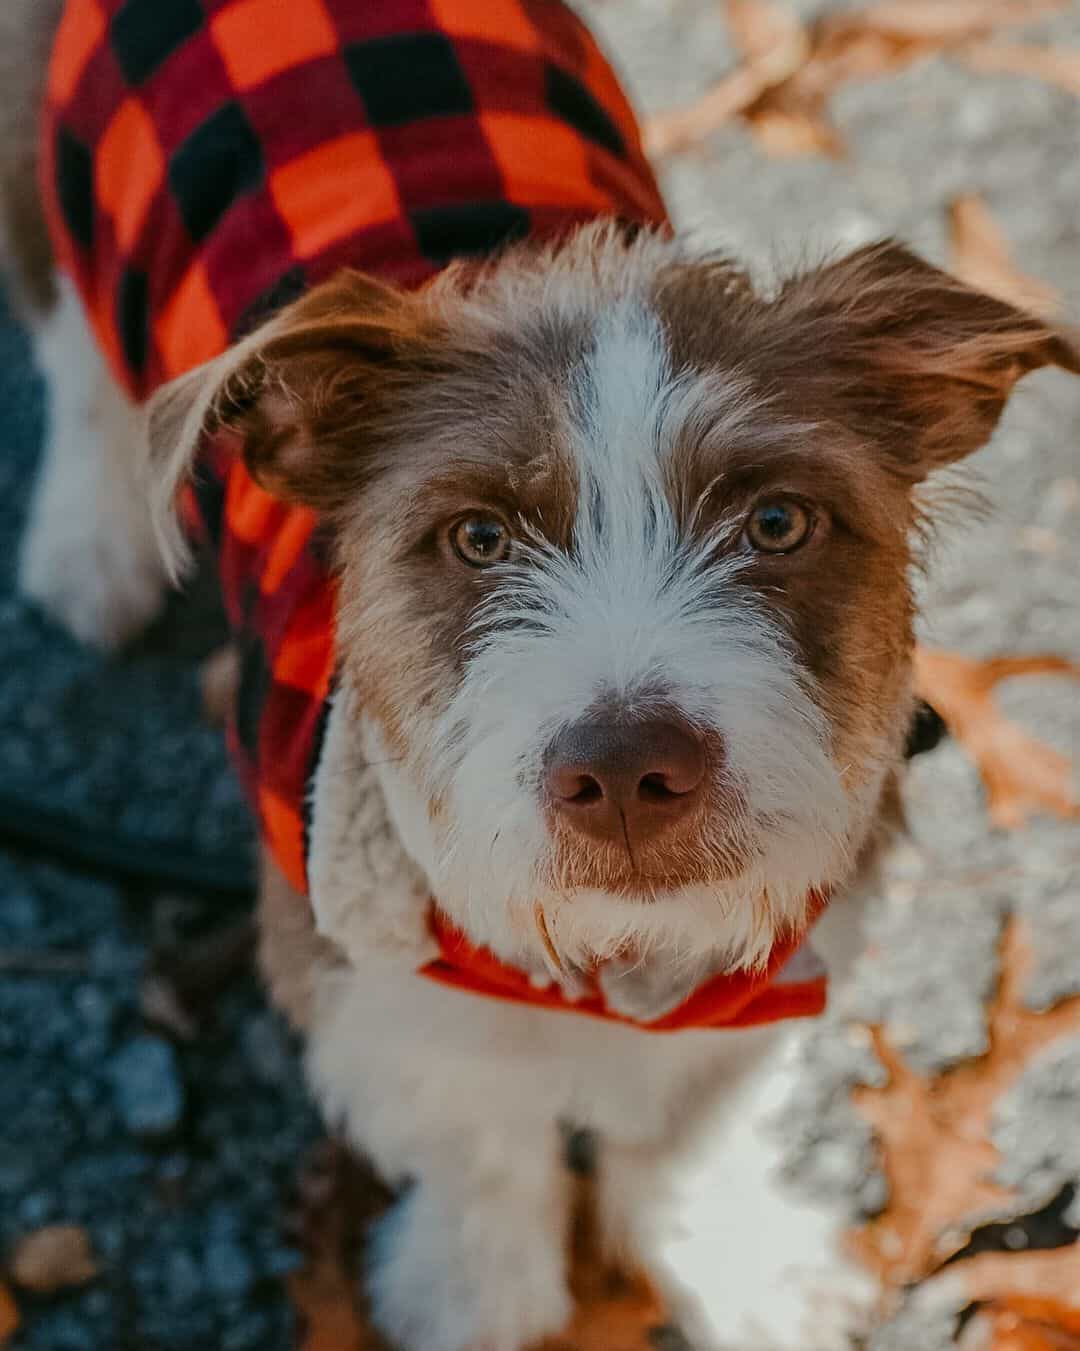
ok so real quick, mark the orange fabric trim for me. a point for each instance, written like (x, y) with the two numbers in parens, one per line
(542, 163)
(82, 27)
(333, 191)
(305, 659)
(503, 23)
(735, 999)
(284, 832)
(103, 321)
(249, 509)
(128, 168)
(601, 80)
(258, 39)
(190, 329)
(286, 547)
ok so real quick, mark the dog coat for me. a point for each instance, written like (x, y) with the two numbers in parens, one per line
(206, 161)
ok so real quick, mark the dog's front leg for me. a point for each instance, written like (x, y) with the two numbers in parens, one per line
(473, 1255)
(434, 1087)
(88, 557)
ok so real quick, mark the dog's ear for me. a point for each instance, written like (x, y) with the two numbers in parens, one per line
(299, 393)
(911, 357)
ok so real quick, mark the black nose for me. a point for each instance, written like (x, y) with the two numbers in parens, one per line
(625, 779)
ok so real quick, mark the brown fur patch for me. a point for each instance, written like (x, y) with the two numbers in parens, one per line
(395, 414)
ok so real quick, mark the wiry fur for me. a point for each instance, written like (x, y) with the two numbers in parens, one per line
(622, 404)
(643, 616)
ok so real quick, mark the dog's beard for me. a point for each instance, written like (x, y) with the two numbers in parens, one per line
(783, 819)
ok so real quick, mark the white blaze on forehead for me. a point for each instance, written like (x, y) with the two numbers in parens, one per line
(640, 608)
(622, 391)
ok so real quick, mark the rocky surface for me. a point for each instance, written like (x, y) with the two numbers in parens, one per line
(175, 1156)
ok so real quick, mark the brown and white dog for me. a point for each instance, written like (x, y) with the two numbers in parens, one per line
(625, 637)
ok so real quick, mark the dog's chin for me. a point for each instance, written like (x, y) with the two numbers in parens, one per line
(734, 920)
(649, 873)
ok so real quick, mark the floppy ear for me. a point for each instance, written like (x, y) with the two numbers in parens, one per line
(298, 392)
(909, 356)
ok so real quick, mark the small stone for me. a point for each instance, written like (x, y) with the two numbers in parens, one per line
(267, 1050)
(9, 1315)
(183, 1279)
(230, 1272)
(57, 1257)
(66, 1330)
(35, 1209)
(147, 1088)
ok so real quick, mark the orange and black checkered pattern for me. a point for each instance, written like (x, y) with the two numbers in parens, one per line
(206, 161)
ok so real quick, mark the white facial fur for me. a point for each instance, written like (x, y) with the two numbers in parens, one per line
(637, 612)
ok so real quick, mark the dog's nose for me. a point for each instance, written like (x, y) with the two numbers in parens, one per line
(624, 779)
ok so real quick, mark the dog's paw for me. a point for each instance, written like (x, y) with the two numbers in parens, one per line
(465, 1282)
(100, 585)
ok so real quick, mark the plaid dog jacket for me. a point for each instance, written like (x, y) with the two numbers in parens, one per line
(206, 161)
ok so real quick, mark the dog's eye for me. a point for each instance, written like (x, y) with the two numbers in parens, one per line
(480, 541)
(779, 526)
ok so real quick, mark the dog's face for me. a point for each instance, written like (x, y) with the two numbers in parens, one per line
(624, 556)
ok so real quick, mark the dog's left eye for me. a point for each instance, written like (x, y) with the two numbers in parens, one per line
(481, 541)
(779, 526)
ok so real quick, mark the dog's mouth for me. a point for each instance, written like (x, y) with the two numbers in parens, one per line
(646, 872)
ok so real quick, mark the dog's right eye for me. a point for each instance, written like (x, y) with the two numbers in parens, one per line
(481, 541)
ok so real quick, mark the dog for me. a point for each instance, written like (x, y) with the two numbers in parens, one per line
(569, 569)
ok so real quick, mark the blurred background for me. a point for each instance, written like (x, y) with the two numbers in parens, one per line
(152, 1104)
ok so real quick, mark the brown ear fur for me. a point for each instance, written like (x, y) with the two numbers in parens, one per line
(302, 402)
(909, 356)
(298, 391)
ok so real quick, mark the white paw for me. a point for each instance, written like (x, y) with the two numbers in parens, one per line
(475, 1281)
(97, 582)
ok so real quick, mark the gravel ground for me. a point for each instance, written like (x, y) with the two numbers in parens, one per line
(175, 1155)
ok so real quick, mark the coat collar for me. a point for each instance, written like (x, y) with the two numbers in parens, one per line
(791, 984)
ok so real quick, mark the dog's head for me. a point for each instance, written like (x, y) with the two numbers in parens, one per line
(624, 552)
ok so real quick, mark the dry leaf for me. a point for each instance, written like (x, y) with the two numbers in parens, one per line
(337, 1199)
(1021, 774)
(1010, 1317)
(182, 985)
(980, 256)
(1049, 64)
(325, 1300)
(934, 1137)
(785, 126)
(613, 1311)
(1004, 1331)
(788, 72)
(9, 1315)
(947, 21)
(773, 43)
(54, 1258)
(768, 33)
(1043, 1287)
